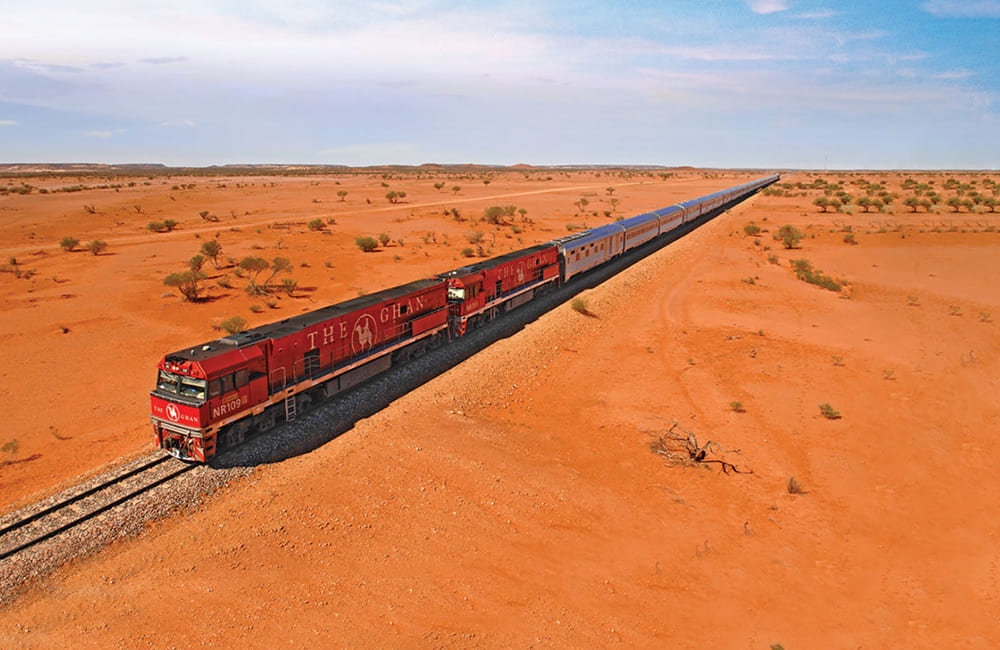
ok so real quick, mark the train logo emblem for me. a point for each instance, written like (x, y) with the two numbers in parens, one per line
(173, 413)
(364, 333)
(520, 273)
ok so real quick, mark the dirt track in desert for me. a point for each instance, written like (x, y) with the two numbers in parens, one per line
(516, 500)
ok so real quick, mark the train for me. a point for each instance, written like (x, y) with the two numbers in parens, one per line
(216, 395)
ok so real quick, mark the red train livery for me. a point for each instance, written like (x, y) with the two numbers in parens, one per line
(213, 395)
(481, 291)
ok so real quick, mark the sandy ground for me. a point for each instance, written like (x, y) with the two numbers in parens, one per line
(515, 501)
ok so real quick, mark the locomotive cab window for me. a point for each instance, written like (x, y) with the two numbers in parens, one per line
(191, 387)
(168, 381)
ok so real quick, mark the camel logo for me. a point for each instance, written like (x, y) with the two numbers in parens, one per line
(364, 334)
(173, 413)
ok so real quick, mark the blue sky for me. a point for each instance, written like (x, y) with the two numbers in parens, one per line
(725, 83)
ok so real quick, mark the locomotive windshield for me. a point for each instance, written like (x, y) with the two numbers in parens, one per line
(179, 385)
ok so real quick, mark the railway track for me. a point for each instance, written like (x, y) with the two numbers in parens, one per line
(32, 526)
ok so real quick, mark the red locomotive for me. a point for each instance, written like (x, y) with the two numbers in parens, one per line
(481, 291)
(213, 395)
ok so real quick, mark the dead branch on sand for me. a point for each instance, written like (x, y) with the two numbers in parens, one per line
(680, 447)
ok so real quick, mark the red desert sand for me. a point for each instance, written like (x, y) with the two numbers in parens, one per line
(518, 500)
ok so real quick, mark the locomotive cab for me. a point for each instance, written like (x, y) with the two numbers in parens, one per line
(200, 391)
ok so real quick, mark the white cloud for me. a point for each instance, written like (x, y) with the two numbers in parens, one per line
(963, 8)
(9, 122)
(767, 6)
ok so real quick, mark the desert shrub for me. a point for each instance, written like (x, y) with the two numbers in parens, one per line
(751, 229)
(498, 214)
(366, 244)
(212, 250)
(253, 266)
(829, 412)
(161, 226)
(384, 239)
(97, 246)
(289, 285)
(196, 262)
(10, 447)
(475, 237)
(805, 272)
(794, 487)
(579, 305)
(187, 282)
(69, 243)
(234, 324)
(736, 406)
(789, 235)
(849, 239)
(342, 194)
(256, 309)
(316, 225)
(468, 252)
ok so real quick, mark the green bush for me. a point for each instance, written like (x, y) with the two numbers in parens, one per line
(234, 324)
(790, 236)
(829, 412)
(805, 272)
(187, 282)
(366, 244)
(579, 305)
(69, 243)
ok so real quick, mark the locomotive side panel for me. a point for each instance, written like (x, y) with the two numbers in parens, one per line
(350, 337)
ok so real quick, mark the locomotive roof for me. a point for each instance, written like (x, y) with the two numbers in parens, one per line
(496, 261)
(300, 322)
